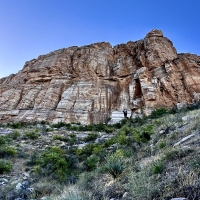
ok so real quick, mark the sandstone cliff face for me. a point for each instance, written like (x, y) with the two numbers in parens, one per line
(92, 83)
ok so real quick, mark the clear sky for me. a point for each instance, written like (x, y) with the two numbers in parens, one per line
(29, 28)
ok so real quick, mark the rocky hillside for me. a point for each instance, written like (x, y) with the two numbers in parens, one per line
(90, 84)
(150, 158)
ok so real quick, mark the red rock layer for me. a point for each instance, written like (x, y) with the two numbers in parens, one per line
(92, 83)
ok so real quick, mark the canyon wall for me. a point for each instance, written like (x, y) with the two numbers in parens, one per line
(92, 83)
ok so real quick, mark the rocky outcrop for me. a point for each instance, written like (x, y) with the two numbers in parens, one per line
(92, 83)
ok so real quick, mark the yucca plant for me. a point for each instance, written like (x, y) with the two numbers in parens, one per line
(115, 165)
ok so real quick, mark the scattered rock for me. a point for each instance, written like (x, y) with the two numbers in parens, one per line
(185, 118)
(6, 131)
(185, 139)
(180, 105)
(125, 196)
(18, 186)
(3, 180)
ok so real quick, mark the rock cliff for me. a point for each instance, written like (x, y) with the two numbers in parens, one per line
(92, 83)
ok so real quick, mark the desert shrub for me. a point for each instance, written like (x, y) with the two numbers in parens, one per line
(110, 142)
(195, 164)
(115, 165)
(143, 186)
(157, 122)
(139, 121)
(31, 135)
(99, 127)
(5, 167)
(86, 179)
(59, 125)
(74, 193)
(192, 106)
(33, 160)
(72, 139)
(45, 188)
(16, 125)
(174, 154)
(121, 137)
(148, 129)
(86, 151)
(90, 137)
(53, 160)
(91, 162)
(100, 152)
(158, 113)
(2, 140)
(22, 154)
(58, 137)
(162, 144)
(109, 129)
(140, 136)
(14, 135)
(157, 167)
(173, 136)
(117, 125)
(7, 151)
(73, 128)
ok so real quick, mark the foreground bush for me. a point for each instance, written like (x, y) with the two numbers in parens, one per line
(7, 151)
(31, 135)
(5, 167)
(53, 161)
(14, 135)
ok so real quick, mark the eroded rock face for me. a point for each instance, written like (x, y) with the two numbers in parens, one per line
(92, 83)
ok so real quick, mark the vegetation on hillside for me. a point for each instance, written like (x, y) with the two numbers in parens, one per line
(134, 159)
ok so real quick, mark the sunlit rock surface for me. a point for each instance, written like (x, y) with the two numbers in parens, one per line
(93, 83)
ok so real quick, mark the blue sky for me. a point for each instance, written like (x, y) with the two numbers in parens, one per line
(29, 28)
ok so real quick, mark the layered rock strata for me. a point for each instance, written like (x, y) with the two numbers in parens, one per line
(92, 83)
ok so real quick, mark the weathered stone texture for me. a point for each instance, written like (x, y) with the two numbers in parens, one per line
(92, 83)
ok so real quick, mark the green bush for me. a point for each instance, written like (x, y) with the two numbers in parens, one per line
(59, 125)
(143, 133)
(195, 164)
(148, 129)
(140, 136)
(121, 137)
(110, 142)
(53, 161)
(16, 125)
(7, 151)
(72, 139)
(143, 186)
(162, 144)
(90, 137)
(158, 113)
(5, 167)
(157, 167)
(31, 135)
(175, 154)
(87, 150)
(2, 140)
(58, 137)
(22, 154)
(91, 163)
(33, 160)
(14, 135)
